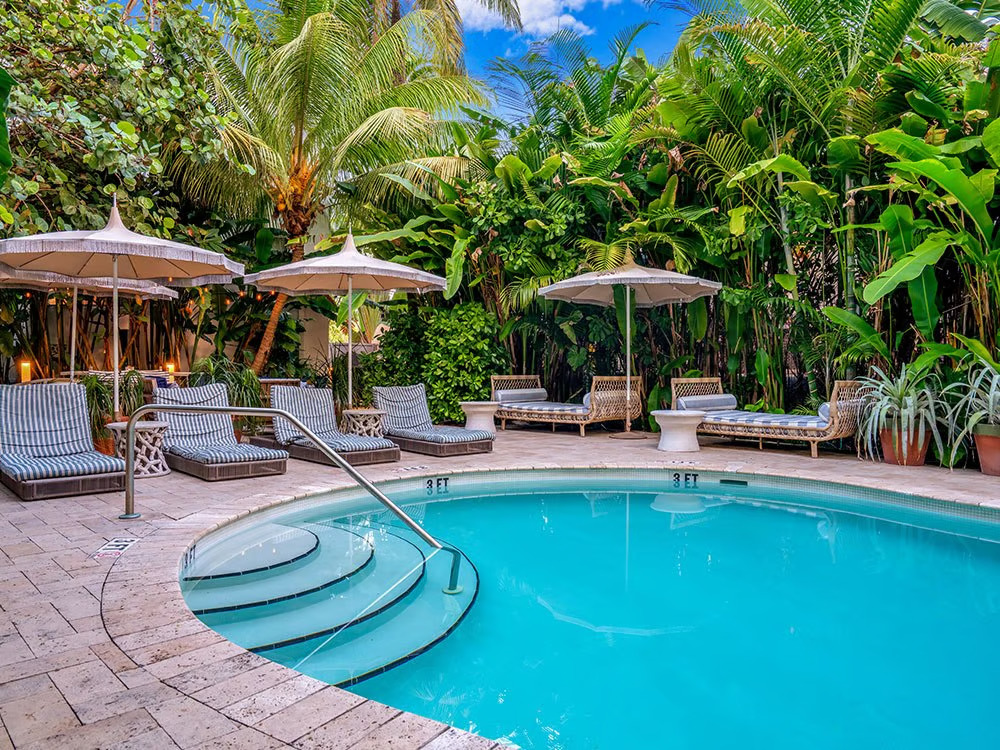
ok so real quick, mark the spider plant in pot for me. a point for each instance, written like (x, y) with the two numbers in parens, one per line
(901, 415)
(977, 412)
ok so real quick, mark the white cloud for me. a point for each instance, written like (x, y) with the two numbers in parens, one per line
(540, 18)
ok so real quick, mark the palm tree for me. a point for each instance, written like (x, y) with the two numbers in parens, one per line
(314, 99)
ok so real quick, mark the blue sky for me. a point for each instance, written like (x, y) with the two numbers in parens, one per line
(598, 20)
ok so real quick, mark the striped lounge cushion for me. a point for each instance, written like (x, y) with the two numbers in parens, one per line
(44, 420)
(763, 419)
(405, 408)
(446, 434)
(550, 407)
(196, 430)
(707, 402)
(226, 454)
(26, 468)
(314, 406)
(520, 395)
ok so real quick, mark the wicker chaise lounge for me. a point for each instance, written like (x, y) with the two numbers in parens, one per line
(407, 423)
(205, 445)
(522, 397)
(314, 406)
(836, 419)
(46, 449)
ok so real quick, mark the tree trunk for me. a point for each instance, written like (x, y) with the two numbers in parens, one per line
(267, 341)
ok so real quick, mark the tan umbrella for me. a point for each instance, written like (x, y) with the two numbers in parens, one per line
(12, 278)
(340, 273)
(116, 252)
(651, 287)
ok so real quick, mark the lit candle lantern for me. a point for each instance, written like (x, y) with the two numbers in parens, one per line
(170, 368)
(25, 371)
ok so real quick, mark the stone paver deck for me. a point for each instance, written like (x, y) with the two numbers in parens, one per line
(98, 653)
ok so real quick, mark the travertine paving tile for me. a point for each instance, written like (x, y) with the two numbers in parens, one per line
(404, 732)
(86, 681)
(267, 702)
(37, 717)
(348, 728)
(300, 718)
(190, 723)
(100, 734)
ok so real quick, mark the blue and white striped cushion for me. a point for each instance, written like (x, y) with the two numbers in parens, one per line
(314, 406)
(510, 395)
(25, 468)
(343, 443)
(45, 419)
(549, 407)
(196, 430)
(707, 402)
(764, 419)
(226, 454)
(446, 434)
(405, 407)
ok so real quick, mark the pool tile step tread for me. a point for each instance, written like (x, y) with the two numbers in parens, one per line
(271, 545)
(401, 632)
(397, 568)
(341, 555)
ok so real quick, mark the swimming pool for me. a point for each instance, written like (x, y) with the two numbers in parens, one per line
(635, 609)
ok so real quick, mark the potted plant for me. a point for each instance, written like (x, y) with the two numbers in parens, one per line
(100, 405)
(977, 412)
(901, 415)
(242, 385)
(131, 387)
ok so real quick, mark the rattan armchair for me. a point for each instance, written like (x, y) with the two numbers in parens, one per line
(845, 408)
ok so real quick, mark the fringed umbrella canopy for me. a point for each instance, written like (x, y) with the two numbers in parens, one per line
(12, 278)
(344, 272)
(89, 254)
(651, 286)
(118, 252)
(644, 287)
(348, 268)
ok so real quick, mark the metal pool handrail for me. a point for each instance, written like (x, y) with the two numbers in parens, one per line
(338, 460)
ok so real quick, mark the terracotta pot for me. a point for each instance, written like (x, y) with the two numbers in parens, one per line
(987, 437)
(915, 454)
(105, 445)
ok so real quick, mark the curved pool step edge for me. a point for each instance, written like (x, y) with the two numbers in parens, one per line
(250, 580)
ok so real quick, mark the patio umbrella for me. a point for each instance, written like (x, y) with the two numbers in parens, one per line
(344, 272)
(116, 252)
(12, 278)
(651, 286)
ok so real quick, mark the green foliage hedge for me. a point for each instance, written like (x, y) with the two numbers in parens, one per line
(452, 351)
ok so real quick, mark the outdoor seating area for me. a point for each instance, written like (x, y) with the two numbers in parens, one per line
(403, 376)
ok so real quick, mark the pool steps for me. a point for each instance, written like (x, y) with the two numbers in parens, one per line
(364, 600)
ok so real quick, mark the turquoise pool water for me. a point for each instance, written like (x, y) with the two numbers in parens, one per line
(635, 614)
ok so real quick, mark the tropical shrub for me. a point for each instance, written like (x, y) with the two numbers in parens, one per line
(907, 407)
(462, 352)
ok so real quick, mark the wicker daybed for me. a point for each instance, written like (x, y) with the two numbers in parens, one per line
(836, 419)
(521, 397)
(314, 407)
(46, 447)
(205, 445)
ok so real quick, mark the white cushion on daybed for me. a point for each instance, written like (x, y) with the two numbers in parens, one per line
(707, 402)
(520, 395)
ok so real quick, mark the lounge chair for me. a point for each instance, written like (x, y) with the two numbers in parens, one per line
(314, 406)
(836, 419)
(521, 397)
(46, 448)
(407, 423)
(205, 445)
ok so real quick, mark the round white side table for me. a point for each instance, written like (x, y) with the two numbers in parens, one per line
(366, 422)
(149, 458)
(678, 429)
(479, 415)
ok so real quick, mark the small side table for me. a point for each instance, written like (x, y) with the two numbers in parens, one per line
(479, 415)
(366, 422)
(678, 429)
(149, 458)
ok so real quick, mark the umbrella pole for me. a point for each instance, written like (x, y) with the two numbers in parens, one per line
(628, 434)
(72, 339)
(114, 327)
(350, 342)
